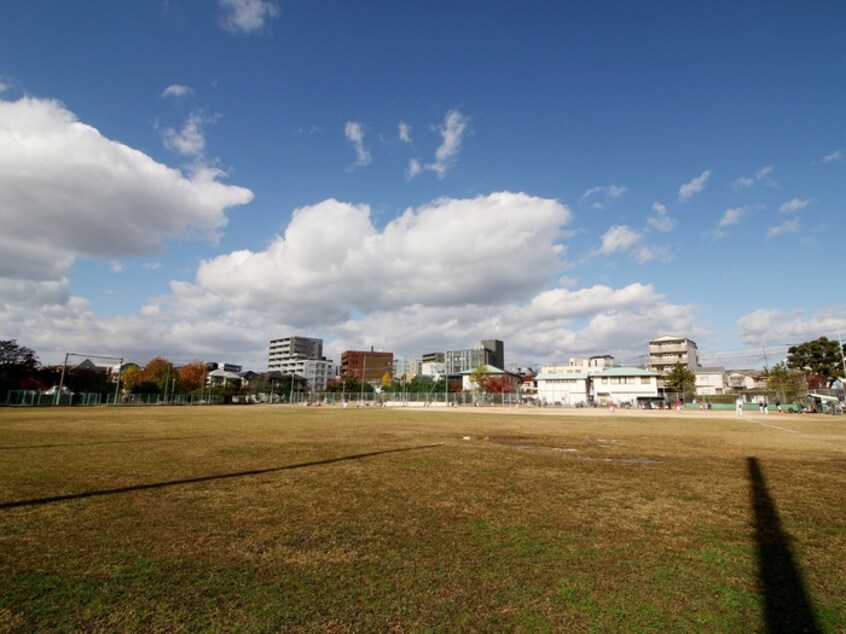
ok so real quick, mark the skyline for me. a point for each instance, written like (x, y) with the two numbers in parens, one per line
(193, 180)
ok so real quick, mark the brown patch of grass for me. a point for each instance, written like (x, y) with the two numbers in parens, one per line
(539, 522)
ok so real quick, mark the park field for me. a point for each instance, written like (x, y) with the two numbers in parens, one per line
(275, 518)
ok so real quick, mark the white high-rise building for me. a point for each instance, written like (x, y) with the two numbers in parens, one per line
(668, 351)
(303, 356)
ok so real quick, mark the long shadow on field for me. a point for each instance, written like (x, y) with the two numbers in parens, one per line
(97, 442)
(222, 476)
(787, 606)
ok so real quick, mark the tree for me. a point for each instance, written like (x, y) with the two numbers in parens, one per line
(788, 384)
(130, 376)
(87, 379)
(680, 380)
(18, 365)
(820, 357)
(477, 378)
(192, 377)
(498, 384)
(157, 371)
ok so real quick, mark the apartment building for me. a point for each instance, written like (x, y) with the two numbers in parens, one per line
(668, 351)
(302, 356)
(490, 352)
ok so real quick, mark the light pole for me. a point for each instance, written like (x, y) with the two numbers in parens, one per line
(363, 375)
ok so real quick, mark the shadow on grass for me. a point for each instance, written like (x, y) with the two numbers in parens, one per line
(221, 476)
(98, 442)
(787, 606)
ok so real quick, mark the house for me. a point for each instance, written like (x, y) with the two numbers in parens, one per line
(710, 381)
(747, 380)
(594, 381)
(623, 385)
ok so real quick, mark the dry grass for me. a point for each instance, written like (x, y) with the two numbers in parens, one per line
(542, 521)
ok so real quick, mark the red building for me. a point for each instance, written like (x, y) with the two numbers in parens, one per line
(369, 366)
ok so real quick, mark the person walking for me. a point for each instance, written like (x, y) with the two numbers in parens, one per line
(739, 409)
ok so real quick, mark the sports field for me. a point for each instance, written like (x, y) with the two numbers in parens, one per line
(273, 518)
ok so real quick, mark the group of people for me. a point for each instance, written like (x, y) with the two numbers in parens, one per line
(763, 405)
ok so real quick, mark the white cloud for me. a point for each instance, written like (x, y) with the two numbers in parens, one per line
(604, 194)
(661, 220)
(67, 191)
(405, 132)
(790, 327)
(115, 267)
(246, 16)
(177, 91)
(794, 204)
(694, 186)
(763, 175)
(452, 134)
(790, 226)
(619, 238)
(413, 169)
(732, 216)
(354, 133)
(435, 255)
(440, 276)
(190, 140)
(837, 155)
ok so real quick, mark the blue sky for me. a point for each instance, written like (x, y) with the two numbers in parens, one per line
(191, 179)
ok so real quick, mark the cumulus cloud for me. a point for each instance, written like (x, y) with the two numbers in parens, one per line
(763, 175)
(660, 220)
(487, 250)
(790, 327)
(191, 139)
(354, 133)
(439, 276)
(413, 169)
(246, 16)
(452, 134)
(732, 216)
(601, 195)
(694, 186)
(405, 132)
(67, 191)
(790, 226)
(794, 204)
(177, 91)
(619, 238)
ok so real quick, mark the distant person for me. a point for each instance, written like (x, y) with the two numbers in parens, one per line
(739, 409)
(778, 406)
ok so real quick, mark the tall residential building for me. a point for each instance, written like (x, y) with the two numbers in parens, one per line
(406, 369)
(367, 365)
(490, 352)
(303, 356)
(667, 351)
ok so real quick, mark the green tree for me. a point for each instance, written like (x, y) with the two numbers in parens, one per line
(18, 366)
(788, 384)
(680, 380)
(478, 377)
(821, 357)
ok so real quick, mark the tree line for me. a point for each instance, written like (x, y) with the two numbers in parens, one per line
(814, 364)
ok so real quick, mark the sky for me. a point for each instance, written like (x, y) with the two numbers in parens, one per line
(192, 179)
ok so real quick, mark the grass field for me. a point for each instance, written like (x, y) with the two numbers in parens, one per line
(266, 519)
